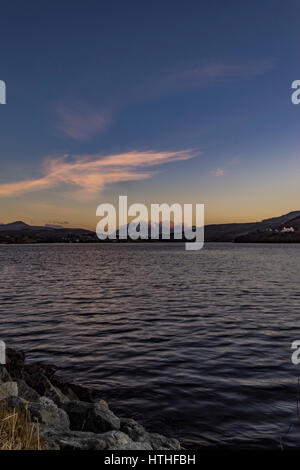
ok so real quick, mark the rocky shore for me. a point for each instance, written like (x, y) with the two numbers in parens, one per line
(69, 416)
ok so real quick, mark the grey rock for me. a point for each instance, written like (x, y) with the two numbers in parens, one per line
(42, 385)
(104, 403)
(78, 392)
(4, 375)
(70, 440)
(118, 440)
(135, 430)
(45, 411)
(26, 392)
(133, 446)
(66, 390)
(159, 442)
(8, 389)
(94, 417)
(79, 440)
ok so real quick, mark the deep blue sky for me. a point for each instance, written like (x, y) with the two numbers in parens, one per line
(96, 78)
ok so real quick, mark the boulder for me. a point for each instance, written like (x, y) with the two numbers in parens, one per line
(159, 442)
(44, 411)
(4, 375)
(46, 369)
(15, 362)
(70, 440)
(81, 393)
(118, 440)
(94, 417)
(26, 392)
(42, 385)
(8, 389)
(47, 412)
(135, 430)
(66, 390)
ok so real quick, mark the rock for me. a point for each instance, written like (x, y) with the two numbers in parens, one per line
(26, 392)
(133, 446)
(43, 411)
(79, 440)
(70, 440)
(103, 403)
(118, 440)
(15, 362)
(46, 369)
(4, 375)
(94, 417)
(82, 393)
(47, 412)
(139, 435)
(8, 389)
(135, 431)
(42, 385)
(67, 391)
(159, 442)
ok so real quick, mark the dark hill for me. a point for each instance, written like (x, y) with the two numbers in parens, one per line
(20, 232)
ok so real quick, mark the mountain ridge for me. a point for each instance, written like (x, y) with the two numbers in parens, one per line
(21, 232)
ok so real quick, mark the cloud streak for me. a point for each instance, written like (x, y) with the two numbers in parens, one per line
(81, 123)
(91, 173)
(205, 74)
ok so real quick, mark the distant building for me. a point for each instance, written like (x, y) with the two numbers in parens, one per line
(288, 230)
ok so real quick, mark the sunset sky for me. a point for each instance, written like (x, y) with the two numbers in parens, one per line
(163, 101)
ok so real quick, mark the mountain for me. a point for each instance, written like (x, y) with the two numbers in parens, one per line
(283, 219)
(275, 231)
(20, 232)
(265, 230)
(19, 225)
(230, 232)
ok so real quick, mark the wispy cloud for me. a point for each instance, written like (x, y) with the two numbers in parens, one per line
(203, 74)
(218, 172)
(81, 122)
(222, 70)
(91, 173)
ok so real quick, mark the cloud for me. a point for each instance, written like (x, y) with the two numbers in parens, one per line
(218, 172)
(81, 123)
(91, 173)
(57, 222)
(222, 70)
(204, 74)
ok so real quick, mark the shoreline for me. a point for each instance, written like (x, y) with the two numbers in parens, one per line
(70, 416)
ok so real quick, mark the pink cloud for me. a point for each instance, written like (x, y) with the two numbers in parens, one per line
(91, 173)
(81, 123)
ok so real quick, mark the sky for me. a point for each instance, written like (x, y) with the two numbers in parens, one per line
(162, 101)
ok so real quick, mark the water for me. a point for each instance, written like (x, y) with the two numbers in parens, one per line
(196, 345)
